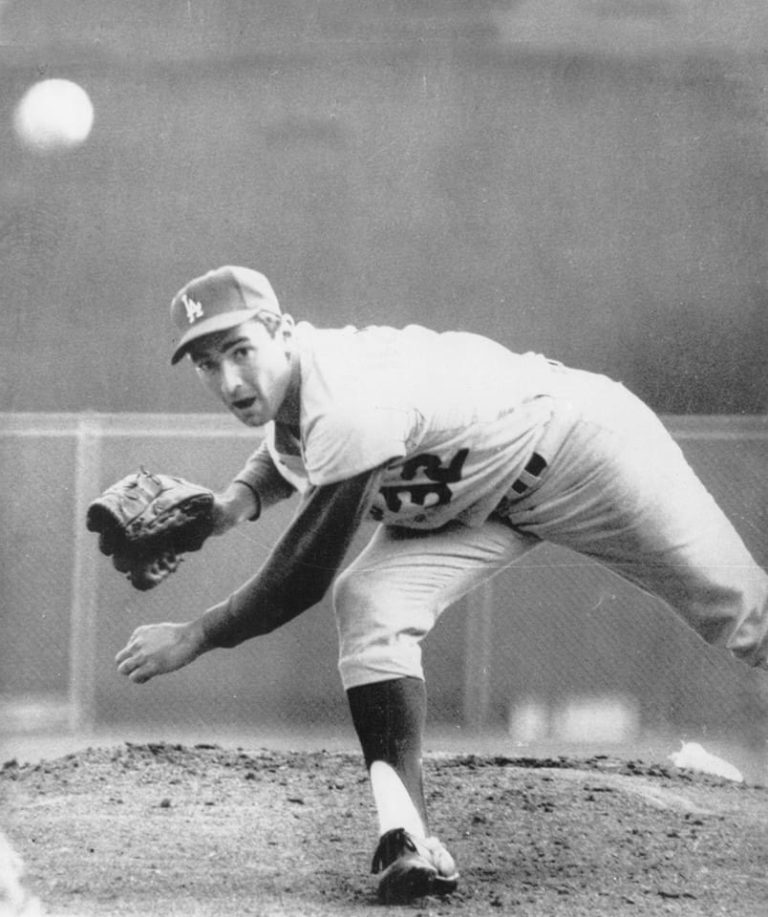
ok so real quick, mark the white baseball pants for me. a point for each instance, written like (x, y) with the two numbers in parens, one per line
(617, 488)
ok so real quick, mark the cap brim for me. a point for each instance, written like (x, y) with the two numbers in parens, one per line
(210, 326)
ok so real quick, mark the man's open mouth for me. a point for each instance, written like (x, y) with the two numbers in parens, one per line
(244, 403)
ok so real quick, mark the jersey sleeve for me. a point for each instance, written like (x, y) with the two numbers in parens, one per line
(300, 568)
(262, 476)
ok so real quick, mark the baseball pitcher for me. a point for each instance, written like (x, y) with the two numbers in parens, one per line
(468, 456)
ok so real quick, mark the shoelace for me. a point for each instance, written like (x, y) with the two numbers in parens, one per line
(391, 846)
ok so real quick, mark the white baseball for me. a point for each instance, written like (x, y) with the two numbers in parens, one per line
(53, 115)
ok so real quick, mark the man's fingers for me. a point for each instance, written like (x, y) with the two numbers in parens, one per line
(125, 653)
(155, 649)
(127, 665)
(136, 669)
(132, 662)
(130, 647)
(131, 651)
(140, 675)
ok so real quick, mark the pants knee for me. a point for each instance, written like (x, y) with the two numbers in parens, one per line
(347, 590)
(748, 638)
(380, 632)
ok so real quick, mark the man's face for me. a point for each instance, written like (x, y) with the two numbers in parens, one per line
(248, 368)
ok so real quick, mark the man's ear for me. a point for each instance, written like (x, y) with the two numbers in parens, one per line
(288, 325)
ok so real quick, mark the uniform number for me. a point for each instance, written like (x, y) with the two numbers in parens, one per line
(435, 493)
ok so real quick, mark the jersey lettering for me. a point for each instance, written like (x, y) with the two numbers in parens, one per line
(436, 493)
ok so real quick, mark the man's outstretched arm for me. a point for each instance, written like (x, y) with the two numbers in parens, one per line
(295, 576)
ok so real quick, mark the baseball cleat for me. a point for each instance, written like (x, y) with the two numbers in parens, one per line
(412, 867)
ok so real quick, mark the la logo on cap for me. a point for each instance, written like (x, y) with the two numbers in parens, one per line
(193, 307)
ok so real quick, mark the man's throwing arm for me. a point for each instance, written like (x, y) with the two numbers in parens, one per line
(300, 568)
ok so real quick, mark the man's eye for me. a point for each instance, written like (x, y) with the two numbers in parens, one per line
(204, 366)
(240, 353)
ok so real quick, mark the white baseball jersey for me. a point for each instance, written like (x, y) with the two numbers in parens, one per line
(458, 424)
(453, 417)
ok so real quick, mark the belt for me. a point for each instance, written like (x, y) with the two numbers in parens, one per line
(531, 474)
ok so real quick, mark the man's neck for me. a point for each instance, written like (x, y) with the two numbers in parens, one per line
(290, 410)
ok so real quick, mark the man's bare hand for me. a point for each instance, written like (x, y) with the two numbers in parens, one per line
(156, 649)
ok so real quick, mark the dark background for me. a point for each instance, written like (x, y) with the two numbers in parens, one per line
(593, 187)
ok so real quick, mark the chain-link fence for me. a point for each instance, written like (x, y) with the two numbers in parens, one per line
(553, 649)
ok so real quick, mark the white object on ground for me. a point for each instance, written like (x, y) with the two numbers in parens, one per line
(694, 757)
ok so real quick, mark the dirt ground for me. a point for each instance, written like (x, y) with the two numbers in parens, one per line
(171, 829)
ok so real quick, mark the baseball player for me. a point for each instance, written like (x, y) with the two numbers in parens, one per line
(468, 456)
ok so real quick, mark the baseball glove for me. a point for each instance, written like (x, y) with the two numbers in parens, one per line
(145, 522)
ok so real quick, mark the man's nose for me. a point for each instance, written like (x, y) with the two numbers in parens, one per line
(230, 378)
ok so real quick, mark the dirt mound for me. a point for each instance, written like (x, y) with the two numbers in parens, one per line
(171, 829)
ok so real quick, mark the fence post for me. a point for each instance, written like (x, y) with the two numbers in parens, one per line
(83, 630)
(477, 659)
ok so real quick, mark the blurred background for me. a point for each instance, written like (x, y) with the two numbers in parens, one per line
(585, 178)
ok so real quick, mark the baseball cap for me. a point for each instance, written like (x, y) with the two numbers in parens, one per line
(221, 299)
